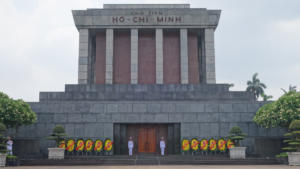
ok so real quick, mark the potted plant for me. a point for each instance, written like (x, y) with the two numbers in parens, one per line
(12, 160)
(57, 135)
(293, 141)
(2, 145)
(236, 135)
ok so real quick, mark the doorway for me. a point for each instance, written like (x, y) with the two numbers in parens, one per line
(146, 138)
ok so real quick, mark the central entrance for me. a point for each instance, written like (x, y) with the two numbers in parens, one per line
(146, 138)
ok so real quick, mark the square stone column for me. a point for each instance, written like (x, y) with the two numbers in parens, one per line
(134, 56)
(83, 56)
(184, 65)
(109, 56)
(209, 54)
(159, 56)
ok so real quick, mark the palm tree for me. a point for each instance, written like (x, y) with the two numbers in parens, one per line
(291, 89)
(255, 86)
(266, 97)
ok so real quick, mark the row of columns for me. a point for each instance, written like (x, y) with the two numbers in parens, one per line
(209, 53)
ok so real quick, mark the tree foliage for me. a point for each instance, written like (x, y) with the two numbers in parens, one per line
(266, 97)
(58, 134)
(255, 86)
(293, 137)
(14, 113)
(291, 89)
(2, 138)
(236, 135)
(281, 112)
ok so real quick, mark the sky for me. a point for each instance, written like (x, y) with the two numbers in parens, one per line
(39, 43)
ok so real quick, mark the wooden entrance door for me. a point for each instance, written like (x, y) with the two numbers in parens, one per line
(147, 139)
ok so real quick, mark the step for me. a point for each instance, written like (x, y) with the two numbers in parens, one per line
(155, 160)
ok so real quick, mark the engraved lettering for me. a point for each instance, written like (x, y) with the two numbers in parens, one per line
(121, 19)
(170, 19)
(160, 19)
(115, 19)
(178, 19)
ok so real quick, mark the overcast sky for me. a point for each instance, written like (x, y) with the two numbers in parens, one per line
(39, 43)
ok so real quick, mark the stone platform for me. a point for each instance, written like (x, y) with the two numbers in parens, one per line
(155, 92)
(93, 111)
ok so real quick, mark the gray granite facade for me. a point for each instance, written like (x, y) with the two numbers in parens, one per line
(85, 113)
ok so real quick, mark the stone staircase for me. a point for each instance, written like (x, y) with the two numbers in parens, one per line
(149, 160)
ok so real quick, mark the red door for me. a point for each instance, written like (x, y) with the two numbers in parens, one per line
(147, 140)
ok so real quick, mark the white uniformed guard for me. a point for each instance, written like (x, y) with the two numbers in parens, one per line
(130, 145)
(9, 145)
(162, 146)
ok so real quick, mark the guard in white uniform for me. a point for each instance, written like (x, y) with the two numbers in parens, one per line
(162, 146)
(9, 146)
(130, 145)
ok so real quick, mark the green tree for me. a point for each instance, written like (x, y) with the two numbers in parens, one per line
(2, 138)
(279, 113)
(293, 135)
(58, 134)
(255, 86)
(266, 97)
(15, 113)
(236, 135)
(291, 89)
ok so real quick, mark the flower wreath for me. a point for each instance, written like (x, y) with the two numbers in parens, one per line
(222, 145)
(185, 145)
(108, 145)
(212, 145)
(62, 144)
(88, 145)
(230, 144)
(204, 145)
(98, 146)
(194, 144)
(70, 145)
(80, 145)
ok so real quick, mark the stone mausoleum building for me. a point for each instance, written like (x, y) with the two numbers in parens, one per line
(147, 71)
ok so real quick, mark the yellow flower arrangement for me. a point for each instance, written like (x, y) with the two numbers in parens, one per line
(70, 145)
(108, 145)
(185, 145)
(203, 145)
(80, 145)
(62, 144)
(221, 145)
(230, 144)
(212, 145)
(98, 145)
(89, 145)
(194, 144)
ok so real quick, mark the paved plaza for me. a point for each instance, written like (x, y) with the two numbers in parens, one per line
(165, 167)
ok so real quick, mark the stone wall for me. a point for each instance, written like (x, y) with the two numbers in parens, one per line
(95, 118)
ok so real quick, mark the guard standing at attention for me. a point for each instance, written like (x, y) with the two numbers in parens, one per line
(162, 146)
(130, 145)
(9, 146)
